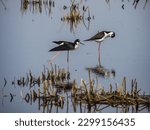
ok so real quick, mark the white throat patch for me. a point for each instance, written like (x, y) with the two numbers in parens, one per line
(77, 45)
(111, 33)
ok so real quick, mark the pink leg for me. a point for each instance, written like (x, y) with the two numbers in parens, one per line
(68, 59)
(99, 55)
(68, 56)
(50, 61)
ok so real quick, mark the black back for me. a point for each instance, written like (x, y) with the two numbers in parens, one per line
(64, 47)
(99, 35)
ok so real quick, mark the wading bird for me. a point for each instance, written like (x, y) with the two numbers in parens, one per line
(66, 46)
(99, 38)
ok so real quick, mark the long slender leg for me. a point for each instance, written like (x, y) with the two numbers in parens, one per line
(57, 53)
(68, 56)
(68, 73)
(99, 60)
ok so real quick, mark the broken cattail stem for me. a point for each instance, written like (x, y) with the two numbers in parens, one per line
(124, 85)
(134, 82)
(90, 81)
(55, 70)
(52, 67)
(31, 97)
(135, 89)
(132, 87)
(116, 88)
(86, 91)
(74, 90)
(110, 89)
(44, 69)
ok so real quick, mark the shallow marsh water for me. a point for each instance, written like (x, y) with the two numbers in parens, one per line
(26, 37)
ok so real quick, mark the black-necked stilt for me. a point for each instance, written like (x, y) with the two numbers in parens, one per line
(99, 38)
(66, 46)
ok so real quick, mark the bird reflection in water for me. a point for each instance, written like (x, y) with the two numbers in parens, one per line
(99, 38)
(102, 71)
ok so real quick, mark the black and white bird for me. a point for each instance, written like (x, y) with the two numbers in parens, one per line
(66, 46)
(99, 38)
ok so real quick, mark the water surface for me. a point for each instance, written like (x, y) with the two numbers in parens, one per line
(26, 37)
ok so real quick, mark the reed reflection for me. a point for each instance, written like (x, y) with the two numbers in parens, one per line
(88, 96)
(135, 3)
(76, 13)
(10, 95)
(37, 6)
(3, 4)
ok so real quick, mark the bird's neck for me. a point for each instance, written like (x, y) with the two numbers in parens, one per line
(76, 45)
(106, 34)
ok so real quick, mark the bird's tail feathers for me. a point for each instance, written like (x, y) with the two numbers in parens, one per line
(55, 42)
(87, 40)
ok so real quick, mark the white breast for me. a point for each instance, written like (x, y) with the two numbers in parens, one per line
(77, 45)
(100, 40)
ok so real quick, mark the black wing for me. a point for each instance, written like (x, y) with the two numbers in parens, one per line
(99, 35)
(64, 47)
(58, 42)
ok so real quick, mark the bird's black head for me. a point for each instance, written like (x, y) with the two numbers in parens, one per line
(110, 33)
(77, 41)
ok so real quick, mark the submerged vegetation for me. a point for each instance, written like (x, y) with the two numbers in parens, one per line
(75, 13)
(78, 12)
(54, 89)
(50, 88)
(36, 6)
(133, 2)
